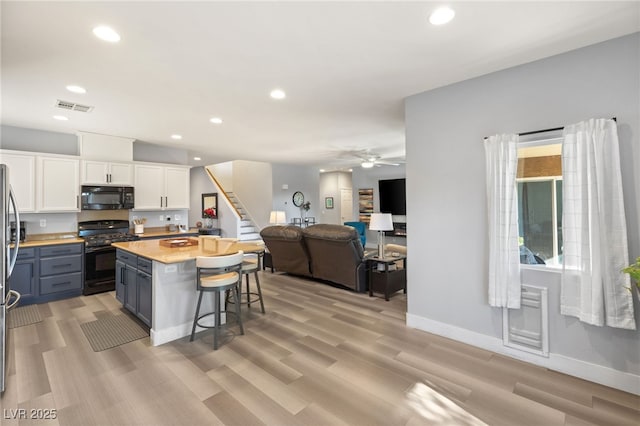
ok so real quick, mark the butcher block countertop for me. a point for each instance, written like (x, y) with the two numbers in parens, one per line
(39, 240)
(152, 249)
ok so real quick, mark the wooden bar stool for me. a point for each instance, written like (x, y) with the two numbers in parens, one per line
(250, 265)
(218, 274)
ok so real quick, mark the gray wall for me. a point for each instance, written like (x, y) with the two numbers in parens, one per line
(299, 178)
(144, 151)
(33, 140)
(446, 186)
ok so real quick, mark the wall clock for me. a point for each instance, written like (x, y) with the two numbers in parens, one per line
(298, 198)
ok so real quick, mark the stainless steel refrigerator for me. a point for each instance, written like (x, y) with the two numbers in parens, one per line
(8, 297)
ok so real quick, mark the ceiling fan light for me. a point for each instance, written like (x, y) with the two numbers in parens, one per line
(441, 15)
(278, 94)
(106, 34)
(367, 164)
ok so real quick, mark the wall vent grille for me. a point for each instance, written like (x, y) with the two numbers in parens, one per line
(527, 328)
(72, 106)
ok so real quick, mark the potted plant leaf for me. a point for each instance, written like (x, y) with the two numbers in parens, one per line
(634, 271)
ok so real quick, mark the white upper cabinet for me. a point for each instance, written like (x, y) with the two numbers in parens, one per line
(58, 188)
(160, 187)
(149, 187)
(103, 173)
(177, 187)
(22, 172)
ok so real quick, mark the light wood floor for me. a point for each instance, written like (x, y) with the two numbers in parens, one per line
(319, 356)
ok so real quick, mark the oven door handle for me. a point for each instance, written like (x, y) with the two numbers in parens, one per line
(99, 249)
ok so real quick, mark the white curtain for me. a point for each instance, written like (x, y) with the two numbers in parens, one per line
(501, 155)
(594, 230)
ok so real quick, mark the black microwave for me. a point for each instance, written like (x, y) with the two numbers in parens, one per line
(107, 197)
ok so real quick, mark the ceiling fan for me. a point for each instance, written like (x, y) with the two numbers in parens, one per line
(365, 158)
(370, 160)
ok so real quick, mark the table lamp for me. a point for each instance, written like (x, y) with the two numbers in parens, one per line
(381, 222)
(277, 217)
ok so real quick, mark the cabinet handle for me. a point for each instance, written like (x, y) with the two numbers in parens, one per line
(62, 283)
(166, 201)
(77, 201)
(161, 201)
(61, 266)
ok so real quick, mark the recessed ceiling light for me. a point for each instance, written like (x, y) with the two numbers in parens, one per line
(441, 15)
(76, 89)
(176, 137)
(322, 170)
(197, 158)
(278, 94)
(60, 117)
(106, 33)
(216, 120)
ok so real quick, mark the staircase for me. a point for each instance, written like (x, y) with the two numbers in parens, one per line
(248, 230)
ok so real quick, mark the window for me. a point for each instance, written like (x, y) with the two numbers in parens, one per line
(539, 182)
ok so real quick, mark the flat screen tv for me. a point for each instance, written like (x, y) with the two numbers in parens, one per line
(392, 196)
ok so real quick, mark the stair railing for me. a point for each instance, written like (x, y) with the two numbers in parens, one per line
(224, 193)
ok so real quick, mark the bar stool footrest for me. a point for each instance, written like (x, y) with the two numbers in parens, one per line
(214, 325)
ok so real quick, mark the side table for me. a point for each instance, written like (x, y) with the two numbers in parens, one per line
(387, 278)
(209, 231)
(267, 261)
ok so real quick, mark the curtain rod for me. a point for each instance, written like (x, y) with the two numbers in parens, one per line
(554, 129)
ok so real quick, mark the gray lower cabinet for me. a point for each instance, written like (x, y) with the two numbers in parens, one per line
(144, 297)
(47, 273)
(133, 284)
(60, 271)
(120, 285)
(24, 278)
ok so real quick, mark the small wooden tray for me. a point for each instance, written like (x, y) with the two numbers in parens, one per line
(179, 242)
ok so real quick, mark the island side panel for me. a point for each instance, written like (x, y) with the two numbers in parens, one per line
(174, 301)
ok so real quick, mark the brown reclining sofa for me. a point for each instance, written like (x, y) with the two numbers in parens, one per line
(326, 252)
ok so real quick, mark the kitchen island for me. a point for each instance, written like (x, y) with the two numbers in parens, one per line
(158, 283)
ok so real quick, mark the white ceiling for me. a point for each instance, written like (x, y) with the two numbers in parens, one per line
(346, 67)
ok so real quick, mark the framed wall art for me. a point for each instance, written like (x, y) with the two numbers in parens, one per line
(328, 202)
(365, 204)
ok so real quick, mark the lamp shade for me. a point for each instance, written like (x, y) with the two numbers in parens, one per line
(277, 217)
(381, 222)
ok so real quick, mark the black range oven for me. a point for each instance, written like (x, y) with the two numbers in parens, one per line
(99, 255)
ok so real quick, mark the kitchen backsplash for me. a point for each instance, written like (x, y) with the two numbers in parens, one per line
(68, 222)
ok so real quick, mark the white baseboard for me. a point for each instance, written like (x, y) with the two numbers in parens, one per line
(160, 337)
(595, 373)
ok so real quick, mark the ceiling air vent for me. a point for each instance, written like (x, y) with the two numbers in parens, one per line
(72, 106)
